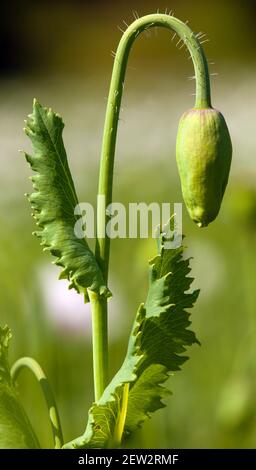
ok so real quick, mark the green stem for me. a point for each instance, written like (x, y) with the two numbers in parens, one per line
(119, 428)
(100, 343)
(203, 100)
(38, 372)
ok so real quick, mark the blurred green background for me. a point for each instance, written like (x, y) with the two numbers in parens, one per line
(60, 52)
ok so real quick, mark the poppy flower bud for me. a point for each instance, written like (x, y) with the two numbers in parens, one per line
(203, 153)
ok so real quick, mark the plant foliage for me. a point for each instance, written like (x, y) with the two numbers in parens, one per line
(15, 429)
(54, 201)
(157, 344)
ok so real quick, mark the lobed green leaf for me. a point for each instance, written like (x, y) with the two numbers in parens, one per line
(54, 201)
(158, 341)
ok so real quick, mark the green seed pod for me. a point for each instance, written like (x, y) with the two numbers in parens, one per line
(203, 153)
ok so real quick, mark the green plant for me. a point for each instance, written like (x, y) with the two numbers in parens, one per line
(160, 334)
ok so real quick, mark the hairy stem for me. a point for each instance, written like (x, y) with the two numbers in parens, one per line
(203, 100)
(29, 363)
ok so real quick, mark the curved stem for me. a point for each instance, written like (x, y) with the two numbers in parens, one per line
(38, 372)
(203, 100)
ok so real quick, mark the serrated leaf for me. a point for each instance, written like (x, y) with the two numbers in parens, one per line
(54, 201)
(157, 344)
(15, 429)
